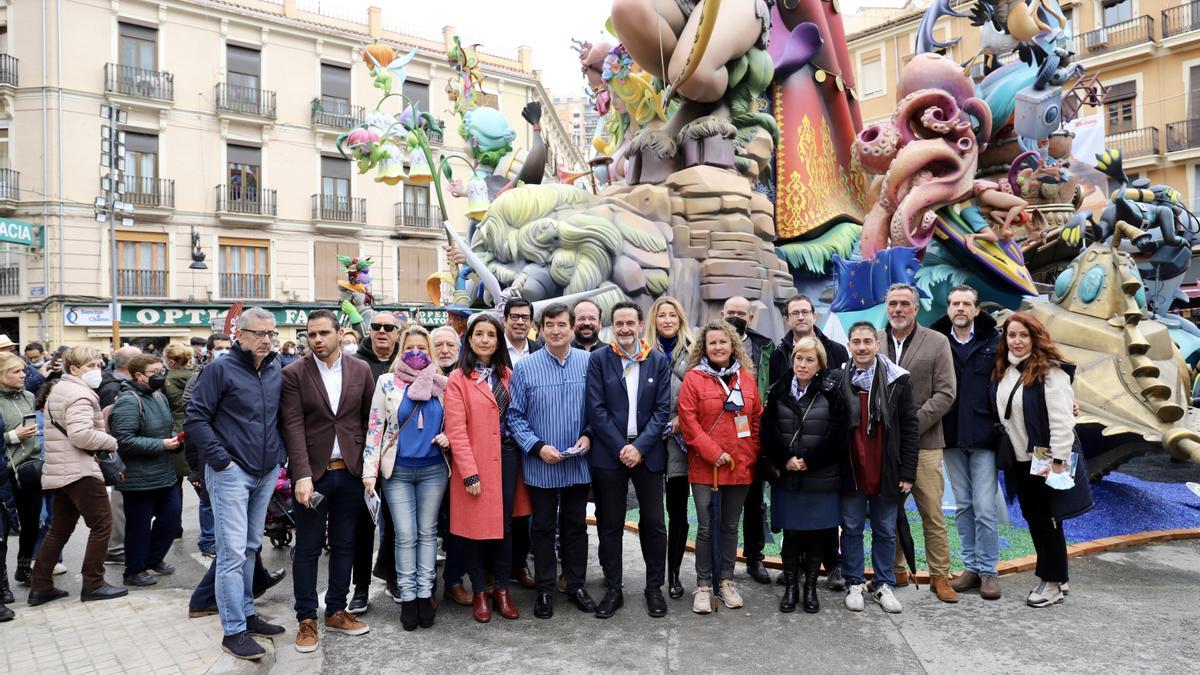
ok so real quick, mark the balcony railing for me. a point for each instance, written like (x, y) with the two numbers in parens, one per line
(1135, 142)
(157, 193)
(1180, 19)
(244, 100)
(418, 215)
(1183, 135)
(336, 112)
(241, 285)
(130, 81)
(1136, 31)
(978, 68)
(339, 209)
(8, 70)
(251, 200)
(142, 283)
(434, 136)
(10, 185)
(10, 280)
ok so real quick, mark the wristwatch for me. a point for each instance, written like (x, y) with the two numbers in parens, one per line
(1057, 461)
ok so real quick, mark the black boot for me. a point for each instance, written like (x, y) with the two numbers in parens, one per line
(425, 612)
(24, 571)
(675, 587)
(812, 566)
(791, 592)
(6, 596)
(6, 614)
(408, 614)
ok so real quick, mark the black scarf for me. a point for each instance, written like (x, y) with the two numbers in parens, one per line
(877, 412)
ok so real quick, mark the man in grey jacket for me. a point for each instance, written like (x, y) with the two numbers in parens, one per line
(926, 355)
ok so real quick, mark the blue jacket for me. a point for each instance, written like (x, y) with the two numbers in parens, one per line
(234, 414)
(608, 408)
(33, 379)
(967, 422)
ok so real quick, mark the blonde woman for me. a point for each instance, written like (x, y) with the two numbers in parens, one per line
(404, 445)
(668, 331)
(74, 432)
(719, 415)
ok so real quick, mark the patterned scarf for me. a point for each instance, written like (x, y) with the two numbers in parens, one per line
(627, 360)
(705, 367)
(484, 373)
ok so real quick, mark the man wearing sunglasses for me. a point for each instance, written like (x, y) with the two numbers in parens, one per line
(378, 350)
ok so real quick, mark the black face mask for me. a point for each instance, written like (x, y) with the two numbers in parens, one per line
(157, 381)
(738, 323)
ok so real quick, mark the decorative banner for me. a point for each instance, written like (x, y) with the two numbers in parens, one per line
(206, 316)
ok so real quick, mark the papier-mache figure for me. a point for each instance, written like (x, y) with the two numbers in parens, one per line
(355, 291)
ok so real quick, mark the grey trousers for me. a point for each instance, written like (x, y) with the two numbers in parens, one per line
(116, 542)
(732, 499)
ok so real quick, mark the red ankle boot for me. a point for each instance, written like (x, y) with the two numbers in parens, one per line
(504, 604)
(483, 609)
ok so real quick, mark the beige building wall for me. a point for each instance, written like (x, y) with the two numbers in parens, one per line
(1147, 50)
(45, 105)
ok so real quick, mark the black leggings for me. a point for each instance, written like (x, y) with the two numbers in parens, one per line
(806, 545)
(678, 491)
(29, 511)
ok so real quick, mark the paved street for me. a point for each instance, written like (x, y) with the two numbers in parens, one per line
(1129, 610)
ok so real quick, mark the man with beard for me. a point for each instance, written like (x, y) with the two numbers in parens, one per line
(587, 326)
(925, 354)
(446, 344)
(739, 313)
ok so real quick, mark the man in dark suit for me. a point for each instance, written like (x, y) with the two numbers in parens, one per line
(325, 403)
(628, 407)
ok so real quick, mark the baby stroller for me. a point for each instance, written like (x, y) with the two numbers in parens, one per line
(280, 521)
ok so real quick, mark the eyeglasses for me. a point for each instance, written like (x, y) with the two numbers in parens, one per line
(519, 318)
(260, 334)
(796, 314)
(385, 327)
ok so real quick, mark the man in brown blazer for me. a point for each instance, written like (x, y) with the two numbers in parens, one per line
(325, 403)
(926, 355)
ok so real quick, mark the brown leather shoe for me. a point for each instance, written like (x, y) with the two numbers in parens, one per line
(523, 578)
(458, 595)
(347, 623)
(965, 581)
(941, 586)
(903, 579)
(989, 587)
(504, 604)
(482, 607)
(307, 638)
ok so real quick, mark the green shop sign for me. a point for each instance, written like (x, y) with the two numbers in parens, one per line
(206, 316)
(20, 232)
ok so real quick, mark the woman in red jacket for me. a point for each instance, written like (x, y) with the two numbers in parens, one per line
(485, 491)
(719, 413)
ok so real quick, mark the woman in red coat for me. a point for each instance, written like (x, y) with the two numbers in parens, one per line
(719, 413)
(485, 491)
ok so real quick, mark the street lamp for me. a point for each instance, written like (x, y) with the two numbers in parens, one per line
(110, 207)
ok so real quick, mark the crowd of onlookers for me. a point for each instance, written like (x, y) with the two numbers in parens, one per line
(493, 441)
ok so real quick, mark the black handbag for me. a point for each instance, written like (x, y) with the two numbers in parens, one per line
(1078, 500)
(112, 467)
(1006, 456)
(29, 474)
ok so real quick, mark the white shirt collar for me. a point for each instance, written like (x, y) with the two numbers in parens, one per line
(337, 365)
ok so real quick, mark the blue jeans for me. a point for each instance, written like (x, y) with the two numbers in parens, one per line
(972, 473)
(239, 503)
(883, 537)
(339, 511)
(208, 539)
(414, 497)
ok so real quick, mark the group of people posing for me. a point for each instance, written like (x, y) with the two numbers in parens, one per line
(505, 439)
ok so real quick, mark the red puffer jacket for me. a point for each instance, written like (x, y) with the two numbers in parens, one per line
(708, 429)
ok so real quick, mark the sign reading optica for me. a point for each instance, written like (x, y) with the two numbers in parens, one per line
(204, 317)
(20, 232)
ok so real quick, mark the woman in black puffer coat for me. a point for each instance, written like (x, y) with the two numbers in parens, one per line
(803, 427)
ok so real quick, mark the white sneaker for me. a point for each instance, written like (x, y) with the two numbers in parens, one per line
(854, 597)
(729, 595)
(889, 603)
(60, 568)
(702, 600)
(1065, 587)
(1047, 593)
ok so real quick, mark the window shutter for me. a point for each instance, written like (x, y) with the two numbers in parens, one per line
(335, 81)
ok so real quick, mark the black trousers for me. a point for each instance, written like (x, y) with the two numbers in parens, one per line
(522, 542)
(1049, 542)
(678, 492)
(29, 512)
(364, 547)
(569, 504)
(482, 555)
(339, 512)
(610, 488)
(754, 523)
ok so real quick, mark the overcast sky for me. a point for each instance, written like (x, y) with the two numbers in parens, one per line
(547, 26)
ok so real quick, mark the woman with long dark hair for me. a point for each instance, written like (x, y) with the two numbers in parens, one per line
(1031, 385)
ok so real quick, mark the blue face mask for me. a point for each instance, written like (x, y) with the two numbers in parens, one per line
(416, 359)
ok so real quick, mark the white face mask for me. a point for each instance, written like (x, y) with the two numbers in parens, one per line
(92, 378)
(350, 349)
(218, 353)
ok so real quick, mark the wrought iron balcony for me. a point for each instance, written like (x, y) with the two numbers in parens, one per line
(1180, 19)
(245, 101)
(252, 201)
(138, 82)
(142, 283)
(336, 112)
(8, 70)
(338, 209)
(1183, 135)
(1135, 142)
(243, 285)
(1136, 31)
(10, 185)
(10, 280)
(155, 193)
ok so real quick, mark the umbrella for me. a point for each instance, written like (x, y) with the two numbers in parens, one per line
(904, 539)
(714, 528)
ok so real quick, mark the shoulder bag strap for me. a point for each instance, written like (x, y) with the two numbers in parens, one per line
(1011, 395)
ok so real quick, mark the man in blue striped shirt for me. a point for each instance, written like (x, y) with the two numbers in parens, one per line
(548, 421)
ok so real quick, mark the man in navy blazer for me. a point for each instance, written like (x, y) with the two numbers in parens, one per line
(628, 407)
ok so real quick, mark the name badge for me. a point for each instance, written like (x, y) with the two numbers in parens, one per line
(742, 424)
